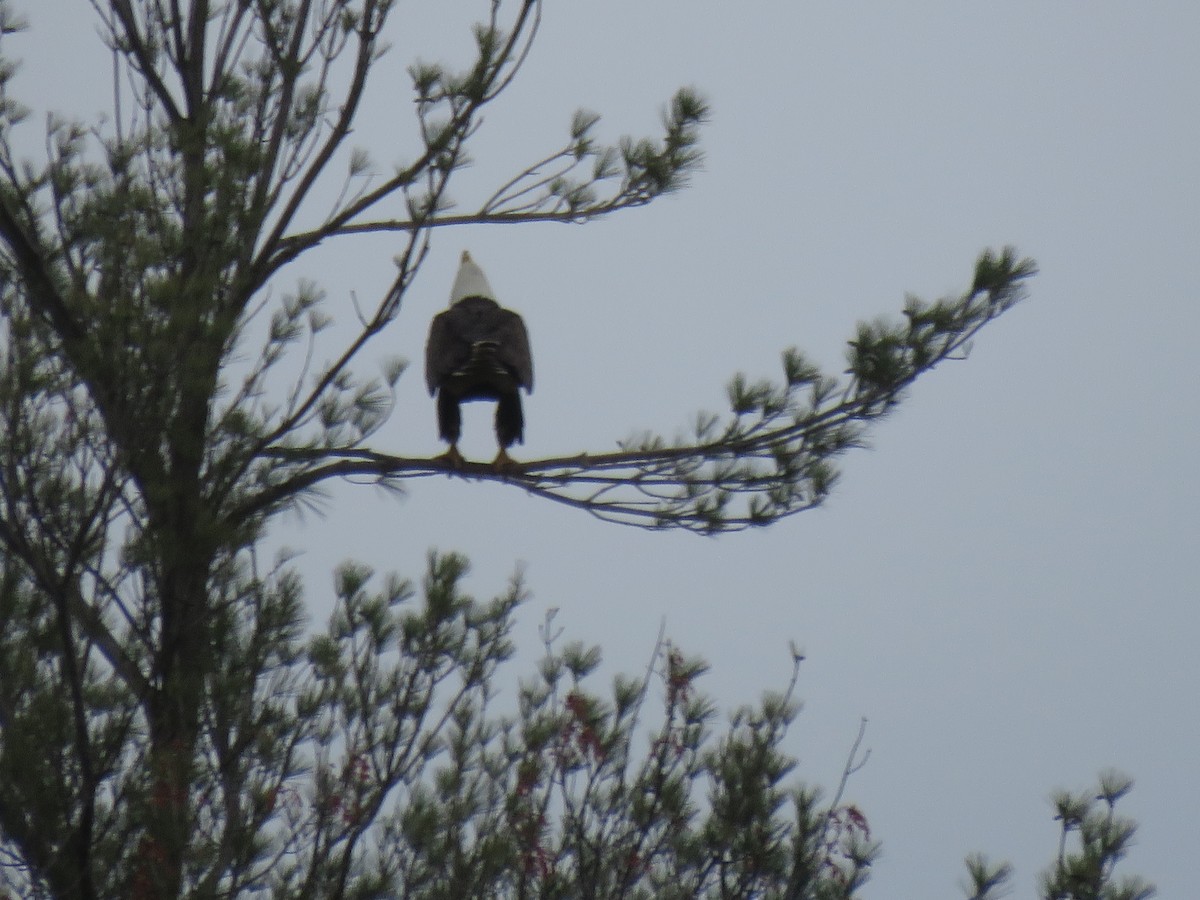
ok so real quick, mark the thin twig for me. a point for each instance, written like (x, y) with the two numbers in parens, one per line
(853, 764)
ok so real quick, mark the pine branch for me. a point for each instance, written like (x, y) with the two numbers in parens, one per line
(771, 459)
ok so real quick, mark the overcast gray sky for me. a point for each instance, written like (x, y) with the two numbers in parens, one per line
(1006, 585)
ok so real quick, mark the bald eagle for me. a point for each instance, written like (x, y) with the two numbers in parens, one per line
(478, 350)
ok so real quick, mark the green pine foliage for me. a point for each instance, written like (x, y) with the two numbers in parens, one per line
(171, 724)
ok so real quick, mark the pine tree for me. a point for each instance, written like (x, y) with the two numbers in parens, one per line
(168, 725)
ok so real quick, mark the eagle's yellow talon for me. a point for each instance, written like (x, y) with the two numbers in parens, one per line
(453, 458)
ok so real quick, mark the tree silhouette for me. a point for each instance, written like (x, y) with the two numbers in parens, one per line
(167, 727)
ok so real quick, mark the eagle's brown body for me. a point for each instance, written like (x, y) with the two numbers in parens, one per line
(477, 350)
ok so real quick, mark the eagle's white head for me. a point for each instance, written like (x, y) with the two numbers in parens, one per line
(470, 281)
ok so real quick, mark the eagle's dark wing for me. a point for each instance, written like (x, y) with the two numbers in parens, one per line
(446, 350)
(513, 350)
(455, 334)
